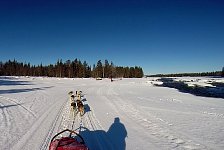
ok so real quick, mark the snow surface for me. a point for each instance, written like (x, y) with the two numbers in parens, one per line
(125, 114)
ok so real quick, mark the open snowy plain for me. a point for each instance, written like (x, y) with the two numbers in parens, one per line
(129, 114)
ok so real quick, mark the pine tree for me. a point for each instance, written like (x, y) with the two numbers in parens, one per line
(113, 70)
(75, 68)
(107, 69)
(99, 69)
(80, 69)
(132, 72)
(126, 72)
(86, 70)
(68, 68)
(94, 71)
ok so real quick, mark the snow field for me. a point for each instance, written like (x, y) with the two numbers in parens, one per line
(125, 114)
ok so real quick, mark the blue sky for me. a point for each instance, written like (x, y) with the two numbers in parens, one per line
(162, 36)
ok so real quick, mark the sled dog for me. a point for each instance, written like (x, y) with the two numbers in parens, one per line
(80, 107)
(78, 94)
(72, 105)
(70, 93)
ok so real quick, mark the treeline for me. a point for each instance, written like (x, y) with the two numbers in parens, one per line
(107, 70)
(215, 73)
(70, 69)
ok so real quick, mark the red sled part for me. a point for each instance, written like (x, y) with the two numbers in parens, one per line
(67, 143)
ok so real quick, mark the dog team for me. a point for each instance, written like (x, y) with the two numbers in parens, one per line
(77, 105)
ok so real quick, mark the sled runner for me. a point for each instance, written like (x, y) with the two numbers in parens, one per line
(67, 143)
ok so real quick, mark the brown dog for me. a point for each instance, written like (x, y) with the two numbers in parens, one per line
(80, 107)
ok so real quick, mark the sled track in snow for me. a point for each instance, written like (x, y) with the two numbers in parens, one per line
(11, 100)
(4, 116)
(35, 128)
(101, 141)
(62, 121)
(48, 137)
(97, 138)
(89, 121)
(157, 126)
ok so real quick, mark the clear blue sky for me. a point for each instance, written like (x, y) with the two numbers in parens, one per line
(162, 36)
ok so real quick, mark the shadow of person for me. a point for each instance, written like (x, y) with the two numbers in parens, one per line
(94, 140)
(113, 139)
(117, 133)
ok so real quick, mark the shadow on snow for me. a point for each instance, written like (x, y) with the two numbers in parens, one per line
(217, 91)
(11, 91)
(114, 138)
(10, 81)
(87, 108)
(7, 106)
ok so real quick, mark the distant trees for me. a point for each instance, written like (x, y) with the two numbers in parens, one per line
(70, 69)
(107, 70)
(214, 73)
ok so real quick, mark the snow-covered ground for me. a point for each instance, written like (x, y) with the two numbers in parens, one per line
(125, 114)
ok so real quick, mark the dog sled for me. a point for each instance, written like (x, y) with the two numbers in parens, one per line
(74, 141)
(69, 142)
